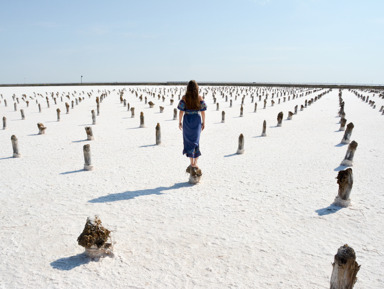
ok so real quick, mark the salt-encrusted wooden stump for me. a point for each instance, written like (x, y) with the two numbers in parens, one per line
(290, 114)
(142, 119)
(93, 117)
(95, 239)
(343, 121)
(89, 132)
(161, 109)
(195, 175)
(348, 159)
(15, 146)
(345, 182)
(240, 149)
(279, 118)
(348, 133)
(264, 133)
(345, 269)
(158, 134)
(151, 104)
(87, 158)
(41, 128)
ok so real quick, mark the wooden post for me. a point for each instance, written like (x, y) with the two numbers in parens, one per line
(255, 107)
(67, 107)
(141, 119)
(158, 134)
(72, 104)
(4, 122)
(93, 117)
(41, 128)
(240, 149)
(87, 158)
(279, 118)
(89, 132)
(15, 146)
(15, 106)
(217, 106)
(343, 121)
(230, 103)
(161, 109)
(241, 111)
(348, 159)
(290, 114)
(174, 114)
(132, 112)
(296, 109)
(125, 102)
(264, 133)
(22, 114)
(345, 182)
(347, 134)
(98, 108)
(345, 269)
(265, 103)
(5, 103)
(58, 114)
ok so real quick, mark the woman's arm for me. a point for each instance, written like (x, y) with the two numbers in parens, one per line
(203, 120)
(181, 113)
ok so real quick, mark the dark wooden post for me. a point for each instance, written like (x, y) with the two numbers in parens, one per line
(39, 106)
(158, 134)
(279, 118)
(89, 133)
(132, 112)
(264, 133)
(174, 114)
(345, 182)
(265, 103)
(223, 116)
(41, 128)
(240, 149)
(151, 104)
(296, 109)
(343, 121)
(58, 114)
(345, 269)
(241, 111)
(93, 117)
(141, 119)
(255, 107)
(22, 114)
(4, 122)
(87, 158)
(217, 106)
(347, 134)
(230, 103)
(348, 159)
(290, 114)
(15, 146)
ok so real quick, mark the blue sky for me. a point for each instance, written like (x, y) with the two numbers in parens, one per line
(292, 41)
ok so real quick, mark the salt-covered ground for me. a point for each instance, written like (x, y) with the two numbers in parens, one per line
(259, 220)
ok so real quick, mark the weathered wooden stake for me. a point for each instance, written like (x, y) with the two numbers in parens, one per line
(89, 132)
(241, 111)
(343, 121)
(67, 107)
(230, 103)
(158, 134)
(132, 112)
(87, 158)
(345, 269)
(223, 116)
(151, 104)
(93, 117)
(345, 182)
(161, 109)
(217, 106)
(141, 119)
(58, 114)
(41, 128)
(4, 122)
(174, 114)
(22, 114)
(240, 149)
(15, 106)
(15, 146)
(290, 114)
(279, 118)
(98, 108)
(348, 159)
(348, 133)
(255, 107)
(264, 133)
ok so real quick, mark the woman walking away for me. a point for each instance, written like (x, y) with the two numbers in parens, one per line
(192, 124)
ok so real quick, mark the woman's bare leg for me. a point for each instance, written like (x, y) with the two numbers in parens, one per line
(195, 162)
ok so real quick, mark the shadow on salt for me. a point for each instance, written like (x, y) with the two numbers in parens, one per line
(69, 263)
(128, 195)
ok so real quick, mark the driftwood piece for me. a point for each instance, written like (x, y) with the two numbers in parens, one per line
(158, 134)
(348, 159)
(95, 238)
(41, 128)
(89, 133)
(348, 133)
(15, 147)
(345, 269)
(240, 149)
(87, 158)
(345, 182)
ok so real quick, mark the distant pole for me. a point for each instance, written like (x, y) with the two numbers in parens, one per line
(81, 81)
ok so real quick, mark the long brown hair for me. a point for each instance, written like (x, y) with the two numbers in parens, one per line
(192, 95)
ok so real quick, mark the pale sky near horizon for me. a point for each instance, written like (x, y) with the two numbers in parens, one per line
(292, 41)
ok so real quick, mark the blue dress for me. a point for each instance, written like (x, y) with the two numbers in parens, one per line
(191, 129)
